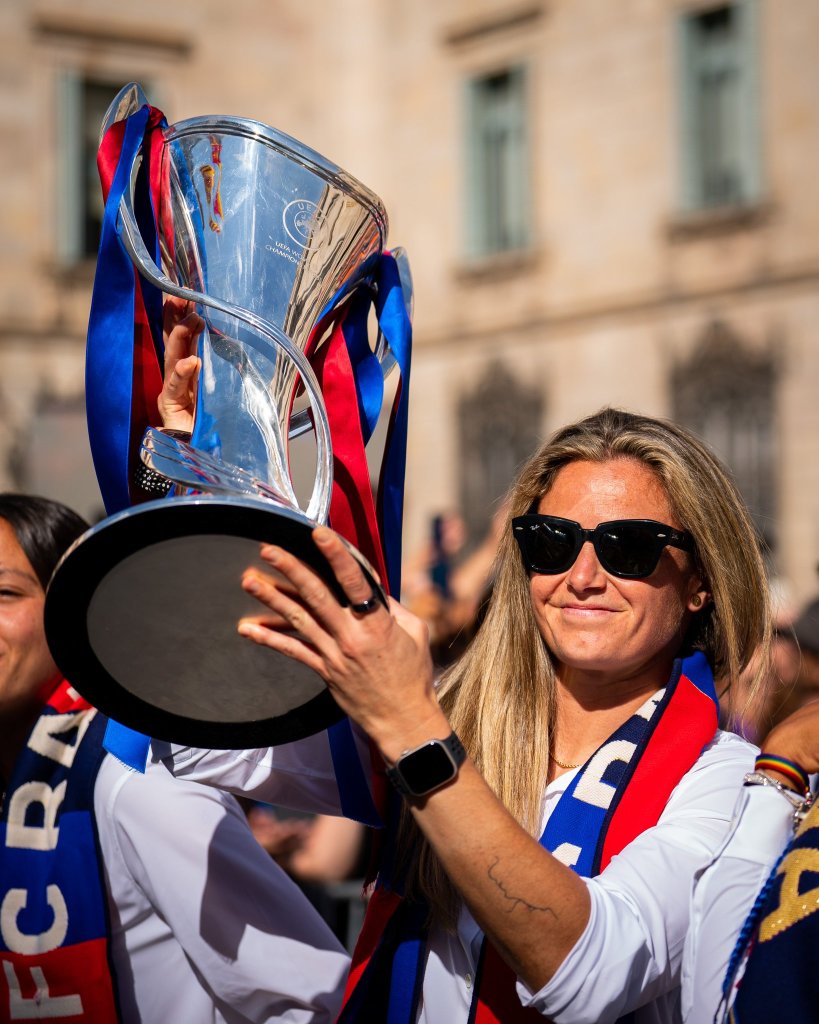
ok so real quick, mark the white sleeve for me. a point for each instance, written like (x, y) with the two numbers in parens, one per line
(631, 950)
(253, 941)
(297, 775)
(724, 892)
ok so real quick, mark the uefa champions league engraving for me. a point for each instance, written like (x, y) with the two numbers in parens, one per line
(275, 246)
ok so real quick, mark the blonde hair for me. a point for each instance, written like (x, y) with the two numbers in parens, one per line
(500, 696)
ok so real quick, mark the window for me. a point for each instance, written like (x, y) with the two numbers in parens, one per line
(727, 396)
(497, 171)
(719, 107)
(83, 104)
(499, 428)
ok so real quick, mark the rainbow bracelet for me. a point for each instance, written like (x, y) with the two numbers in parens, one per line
(789, 769)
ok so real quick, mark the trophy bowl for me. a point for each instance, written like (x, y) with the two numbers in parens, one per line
(272, 243)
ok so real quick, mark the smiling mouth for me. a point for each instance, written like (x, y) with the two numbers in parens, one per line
(586, 609)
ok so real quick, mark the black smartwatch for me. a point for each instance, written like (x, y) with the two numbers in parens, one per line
(428, 767)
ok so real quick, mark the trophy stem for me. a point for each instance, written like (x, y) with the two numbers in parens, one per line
(319, 505)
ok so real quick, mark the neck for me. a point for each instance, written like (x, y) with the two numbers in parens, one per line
(591, 707)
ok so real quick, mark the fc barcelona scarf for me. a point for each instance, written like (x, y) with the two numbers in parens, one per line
(779, 941)
(53, 918)
(618, 794)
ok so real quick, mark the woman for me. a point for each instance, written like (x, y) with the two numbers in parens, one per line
(100, 865)
(589, 719)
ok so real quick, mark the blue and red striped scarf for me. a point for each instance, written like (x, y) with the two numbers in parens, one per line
(53, 910)
(618, 794)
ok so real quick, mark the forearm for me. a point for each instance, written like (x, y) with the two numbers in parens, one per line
(532, 907)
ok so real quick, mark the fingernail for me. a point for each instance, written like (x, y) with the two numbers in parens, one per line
(321, 535)
(251, 585)
(245, 629)
(270, 553)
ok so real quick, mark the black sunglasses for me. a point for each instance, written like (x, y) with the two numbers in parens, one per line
(628, 548)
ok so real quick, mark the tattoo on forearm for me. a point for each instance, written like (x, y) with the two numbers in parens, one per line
(516, 901)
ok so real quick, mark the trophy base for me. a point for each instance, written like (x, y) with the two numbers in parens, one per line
(141, 618)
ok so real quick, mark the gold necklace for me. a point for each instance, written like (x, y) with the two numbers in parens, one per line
(560, 764)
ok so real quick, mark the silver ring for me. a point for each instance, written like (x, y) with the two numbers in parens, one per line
(366, 607)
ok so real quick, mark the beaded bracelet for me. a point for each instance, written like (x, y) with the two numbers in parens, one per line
(790, 769)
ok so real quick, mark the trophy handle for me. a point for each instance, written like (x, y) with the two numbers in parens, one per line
(130, 99)
(126, 102)
(300, 422)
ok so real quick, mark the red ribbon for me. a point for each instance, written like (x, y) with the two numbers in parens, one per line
(352, 507)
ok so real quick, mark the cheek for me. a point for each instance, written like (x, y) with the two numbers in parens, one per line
(24, 636)
(662, 617)
(541, 589)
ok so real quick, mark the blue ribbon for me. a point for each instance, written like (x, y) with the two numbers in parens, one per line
(407, 967)
(367, 373)
(127, 745)
(394, 321)
(353, 788)
(109, 367)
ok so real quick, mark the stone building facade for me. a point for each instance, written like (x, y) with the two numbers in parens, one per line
(604, 204)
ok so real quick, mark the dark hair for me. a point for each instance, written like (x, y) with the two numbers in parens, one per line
(44, 529)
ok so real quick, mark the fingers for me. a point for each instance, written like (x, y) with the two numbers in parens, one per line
(182, 327)
(346, 569)
(174, 311)
(291, 629)
(284, 643)
(303, 619)
(178, 382)
(180, 343)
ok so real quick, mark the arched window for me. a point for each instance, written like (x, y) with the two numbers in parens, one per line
(727, 395)
(499, 427)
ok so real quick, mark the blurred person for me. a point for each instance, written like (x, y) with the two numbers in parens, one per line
(322, 848)
(327, 856)
(806, 638)
(752, 711)
(628, 567)
(158, 878)
(450, 593)
(794, 678)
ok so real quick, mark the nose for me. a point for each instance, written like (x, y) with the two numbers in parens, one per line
(587, 573)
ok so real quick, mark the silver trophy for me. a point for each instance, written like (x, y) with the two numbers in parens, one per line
(269, 240)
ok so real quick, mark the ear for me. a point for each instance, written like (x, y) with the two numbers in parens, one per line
(698, 597)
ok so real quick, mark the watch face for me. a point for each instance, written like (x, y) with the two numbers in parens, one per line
(427, 768)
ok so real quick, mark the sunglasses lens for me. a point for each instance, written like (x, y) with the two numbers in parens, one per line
(628, 550)
(552, 547)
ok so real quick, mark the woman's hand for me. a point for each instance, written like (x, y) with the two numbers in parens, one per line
(181, 329)
(797, 738)
(377, 665)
